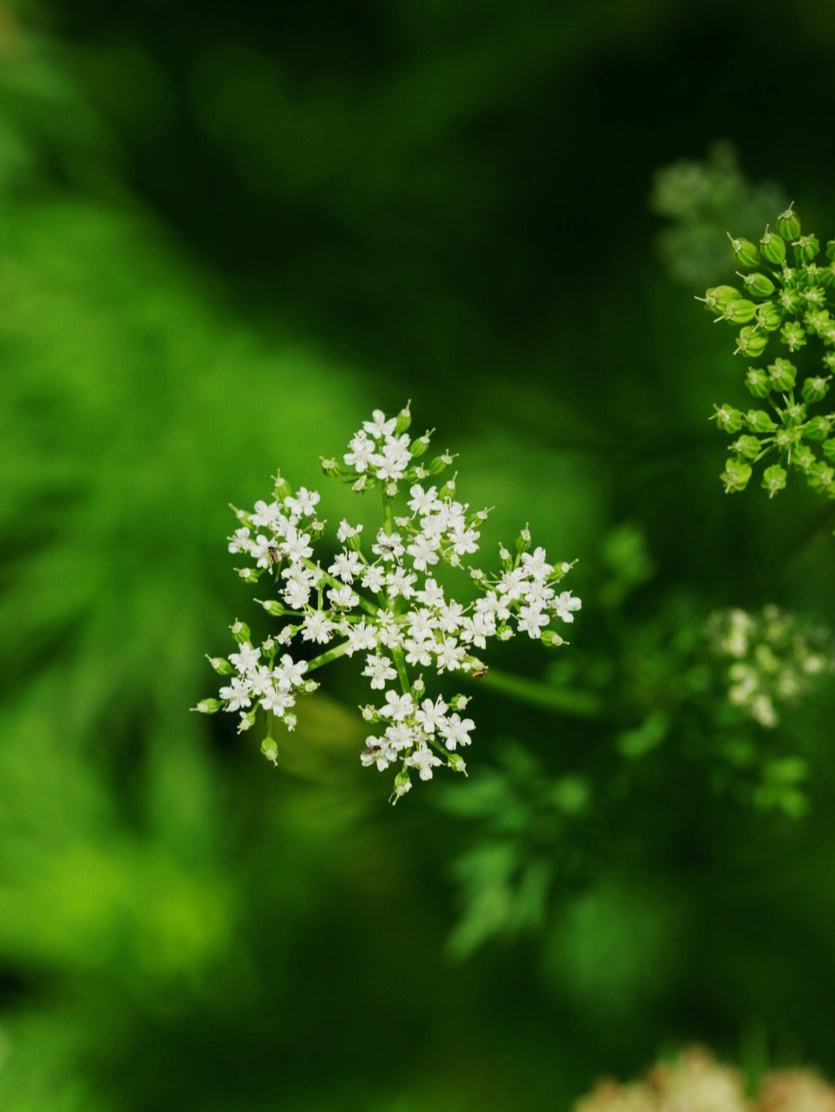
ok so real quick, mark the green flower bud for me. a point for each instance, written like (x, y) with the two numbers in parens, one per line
(787, 439)
(829, 449)
(772, 247)
(788, 300)
(788, 223)
(758, 382)
(402, 784)
(782, 374)
(459, 702)
(270, 749)
(747, 446)
(448, 489)
(551, 638)
(523, 541)
(769, 316)
(793, 335)
(208, 706)
(404, 419)
(821, 476)
(758, 420)
(419, 446)
(817, 429)
(456, 763)
(718, 298)
(221, 665)
(758, 285)
(750, 343)
(331, 467)
(830, 249)
(249, 575)
(736, 475)
(806, 247)
(273, 606)
(727, 418)
(774, 479)
(802, 457)
(438, 464)
(281, 488)
(815, 389)
(744, 251)
(739, 312)
(240, 631)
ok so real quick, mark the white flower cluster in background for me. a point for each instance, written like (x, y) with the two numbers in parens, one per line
(379, 598)
(773, 658)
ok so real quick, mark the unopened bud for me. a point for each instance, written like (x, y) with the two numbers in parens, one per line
(549, 637)
(788, 223)
(815, 389)
(240, 631)
(772, 248)
(718, 298)
(807, 247)
(404, 419)
(727, 418)
(208, 706)
(758, 382)
(273, 606)
(774, 479)
(818, 428)
(736, 474)
(744, 251)
(270, 749)
(782, 374)
(418, 447)
(750, 342)
(221, 665)
(758, 285)
(758, 420)
(456, 763)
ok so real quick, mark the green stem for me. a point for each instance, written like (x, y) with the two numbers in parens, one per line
(575, 704)
(327, 657)
(367, 606)
(400, 665)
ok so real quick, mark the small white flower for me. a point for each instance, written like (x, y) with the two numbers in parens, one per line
(456, 731)
(379, 426)
(431, 715)
(422, 501)
(316, 627)
(380, 670)
(245, 658)
(236, 695)
(424, 760)
(398, 707)
(565, 605)
(345, 531)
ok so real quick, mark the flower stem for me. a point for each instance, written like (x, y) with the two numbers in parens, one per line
(561, 700)
(327, 657)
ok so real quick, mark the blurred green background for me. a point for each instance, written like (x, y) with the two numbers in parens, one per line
(229, 231)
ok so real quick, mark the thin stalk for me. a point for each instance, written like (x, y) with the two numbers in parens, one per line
(574, 704)
(327, 657)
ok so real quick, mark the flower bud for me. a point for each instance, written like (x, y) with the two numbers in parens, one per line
(758, 420)
(240, 631)
(404, 419)
(788, 223)
(829, 449)
(727, 418)
(815, 389)
(523, 541)
(448, 489)
(221, 665)
(273, 606)
(806, 247)
(772, 247)
(758, 285)
(402, 784)
(419, 446)
(782, 374)
(739, 312)
(208, 706)
(281, 488)
(774, 479)
(270, 749)
(817, 429)
(820, 476)
(249, 575)
(803, 457)
(456, 762)
(793, 335)
(747, 446)
(718, 298)
(758, 382)
(744, 251)
(437, 465)
(552, 639)
(736, 475)
(331, 467)
(769, 316)
(459, 702)
(750, 343)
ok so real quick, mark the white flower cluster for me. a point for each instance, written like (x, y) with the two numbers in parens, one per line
(383, 601)
(773, 658)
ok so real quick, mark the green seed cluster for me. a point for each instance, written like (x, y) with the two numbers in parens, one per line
(786, 303)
